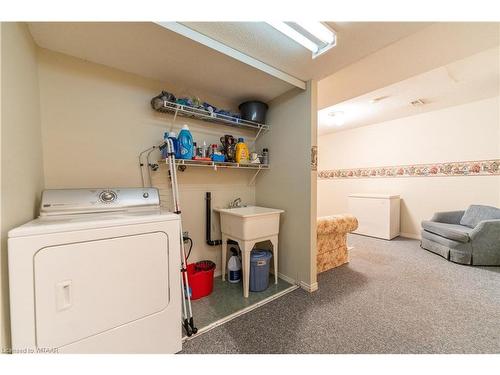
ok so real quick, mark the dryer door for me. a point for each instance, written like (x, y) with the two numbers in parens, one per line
(83, 289)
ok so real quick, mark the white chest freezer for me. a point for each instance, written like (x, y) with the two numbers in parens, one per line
(377, 214)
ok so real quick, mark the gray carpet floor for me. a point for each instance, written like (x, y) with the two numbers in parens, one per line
(392, 297)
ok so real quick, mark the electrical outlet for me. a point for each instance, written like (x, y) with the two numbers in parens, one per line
(185, 234)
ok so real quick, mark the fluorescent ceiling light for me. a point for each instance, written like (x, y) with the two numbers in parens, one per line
(315, 36)
(319, 30)
(295, 35)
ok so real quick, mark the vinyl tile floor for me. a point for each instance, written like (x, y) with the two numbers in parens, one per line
(227, 299)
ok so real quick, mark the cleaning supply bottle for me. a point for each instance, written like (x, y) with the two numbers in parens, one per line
(205, 150)
(164, 152)
(234, 267)
(185, 143)
(242, 155)
(265, 156)
(173, 137)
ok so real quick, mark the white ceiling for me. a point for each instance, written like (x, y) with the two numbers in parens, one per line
(355, 40)
(152, 51)
(473, 78)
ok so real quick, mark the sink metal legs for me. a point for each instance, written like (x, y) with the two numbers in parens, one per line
(274, 241)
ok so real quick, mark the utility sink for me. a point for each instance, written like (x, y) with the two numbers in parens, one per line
(248, 226)
(250, 222)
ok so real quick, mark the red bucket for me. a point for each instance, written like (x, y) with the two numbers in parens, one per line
(201, 278)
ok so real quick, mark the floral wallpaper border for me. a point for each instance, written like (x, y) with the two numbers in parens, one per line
(456, 168)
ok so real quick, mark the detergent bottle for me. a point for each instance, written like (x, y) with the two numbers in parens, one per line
(241, 155)
(234, 267)
(185, 143)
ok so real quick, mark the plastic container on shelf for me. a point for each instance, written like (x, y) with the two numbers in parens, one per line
(265, 156)
(185, 143)
(253, 111)
(218, 157)
(259, 270)
(241, 154)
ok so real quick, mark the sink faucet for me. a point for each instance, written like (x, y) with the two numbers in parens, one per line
(236, 203)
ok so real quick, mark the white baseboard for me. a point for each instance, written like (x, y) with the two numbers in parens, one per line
(410, 235)
(287, 279)
(309, 287)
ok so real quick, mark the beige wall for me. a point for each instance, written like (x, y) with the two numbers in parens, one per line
(21, 150)
(429, 48)
(466, 132)
(288, 185)
(95, 122)
(314, 182)
(3, 320)
(70, 123)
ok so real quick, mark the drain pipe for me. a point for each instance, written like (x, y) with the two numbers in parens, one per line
(210, 242)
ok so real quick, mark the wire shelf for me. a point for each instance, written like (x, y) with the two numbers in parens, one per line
(219, 164)
(204, 115)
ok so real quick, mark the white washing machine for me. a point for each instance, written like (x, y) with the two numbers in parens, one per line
(97, 272)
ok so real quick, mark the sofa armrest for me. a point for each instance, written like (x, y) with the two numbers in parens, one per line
(487, 230)
(448, 217)
(343, 223)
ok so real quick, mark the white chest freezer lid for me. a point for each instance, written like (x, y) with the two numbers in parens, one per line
(67, 223)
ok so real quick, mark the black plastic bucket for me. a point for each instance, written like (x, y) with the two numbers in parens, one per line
(253, 111)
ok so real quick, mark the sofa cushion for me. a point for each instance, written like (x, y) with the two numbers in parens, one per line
(451, 244)
(477, 213)
(453, 232)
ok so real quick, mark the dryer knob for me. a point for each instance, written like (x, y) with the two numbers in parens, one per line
(107, 196)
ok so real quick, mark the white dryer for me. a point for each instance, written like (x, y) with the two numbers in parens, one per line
(97, 272)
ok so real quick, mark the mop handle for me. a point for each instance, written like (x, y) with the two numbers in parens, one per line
(175, 192)
(188, 312)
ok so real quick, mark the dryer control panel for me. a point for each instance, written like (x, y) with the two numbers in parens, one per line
(77, 201)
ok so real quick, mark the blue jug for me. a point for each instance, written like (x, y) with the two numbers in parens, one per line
(185, 141)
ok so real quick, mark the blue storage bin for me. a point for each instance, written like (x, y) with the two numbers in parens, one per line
(259, 270)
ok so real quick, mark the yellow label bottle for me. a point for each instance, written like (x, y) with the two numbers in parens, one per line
(242, 155)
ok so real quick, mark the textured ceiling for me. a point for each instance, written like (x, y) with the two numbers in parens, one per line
(473, 78)
(261, 41)
(152, 51)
